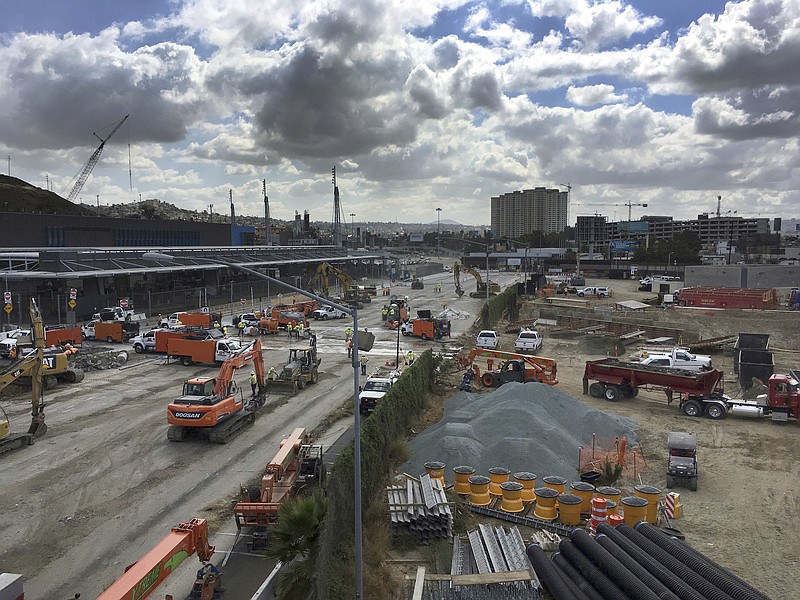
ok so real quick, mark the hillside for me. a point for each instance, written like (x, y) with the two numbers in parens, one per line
(19, 196)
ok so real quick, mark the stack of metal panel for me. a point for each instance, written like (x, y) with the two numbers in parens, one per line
(420, 508)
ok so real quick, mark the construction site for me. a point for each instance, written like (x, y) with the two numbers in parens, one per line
(575, 471)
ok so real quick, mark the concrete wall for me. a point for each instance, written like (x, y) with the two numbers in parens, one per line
(746, 276)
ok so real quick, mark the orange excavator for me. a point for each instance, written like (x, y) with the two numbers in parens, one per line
(296, 463)
(513, 367)
(145, 575)
(216, 406)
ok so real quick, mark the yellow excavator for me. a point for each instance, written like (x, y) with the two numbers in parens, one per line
(41, 366)
(480, 287)
(324, 271)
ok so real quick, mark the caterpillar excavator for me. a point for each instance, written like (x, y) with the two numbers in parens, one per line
(480, 287)
(43, 367)
(215, 405)
(324, 272)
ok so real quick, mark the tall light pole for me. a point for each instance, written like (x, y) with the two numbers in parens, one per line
(352, 225)
(438, 232)
(159, 257)
(669, 261)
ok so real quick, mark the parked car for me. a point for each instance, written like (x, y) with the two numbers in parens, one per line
(528, 340)
(600, 292)
(487, 339)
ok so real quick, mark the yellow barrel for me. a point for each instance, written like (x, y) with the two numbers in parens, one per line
(545, 503)
(557, 483)
(479, 490)
(463, 473)
(611, 507)
(512, 496)
(584, 491)
(528, 481)
(498, 475)
(435, 470)
(634, 509)
(609, 493)
(651, 494)
(569, 509)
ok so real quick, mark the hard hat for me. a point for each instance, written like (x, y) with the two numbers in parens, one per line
(252, 372)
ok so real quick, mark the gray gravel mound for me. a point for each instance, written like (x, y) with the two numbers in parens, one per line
(523, 427)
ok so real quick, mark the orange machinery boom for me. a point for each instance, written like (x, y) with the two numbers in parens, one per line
(145, 575)
(277, 483)
(543, 369)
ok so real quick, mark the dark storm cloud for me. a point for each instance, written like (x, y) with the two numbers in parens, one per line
(330, 106)
(446, 53)
(750, 116)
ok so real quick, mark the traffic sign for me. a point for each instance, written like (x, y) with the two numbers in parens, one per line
(243, 301)
(73, 293)
(123, 303)
(72, 303)
(8, 309)
(7, 297)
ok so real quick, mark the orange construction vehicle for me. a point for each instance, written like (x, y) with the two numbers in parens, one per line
(210, 351)
(215, 405)
(297, 462)
(58, 336)
(116, 331)
(268, 325)
(146, 574)
(200, 319)
(513, 367)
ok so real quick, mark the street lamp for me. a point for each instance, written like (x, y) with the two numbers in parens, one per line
(669, 261)
(352, 226)
(159, 257)
(438, 232)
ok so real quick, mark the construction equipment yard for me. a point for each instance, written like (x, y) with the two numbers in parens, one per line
(104, 484)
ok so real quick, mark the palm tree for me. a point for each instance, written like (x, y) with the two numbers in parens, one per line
(294, 541)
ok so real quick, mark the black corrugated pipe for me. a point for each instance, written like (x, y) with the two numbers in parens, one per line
(616, 571)
(702, 585)
(681, 589)
(604, 586)
(571, 576)
(705, 567)
(634, 567)
(547, 572)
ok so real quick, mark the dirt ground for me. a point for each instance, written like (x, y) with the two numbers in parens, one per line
(745, 512)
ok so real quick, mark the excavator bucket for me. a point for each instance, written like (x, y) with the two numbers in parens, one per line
(38, 427)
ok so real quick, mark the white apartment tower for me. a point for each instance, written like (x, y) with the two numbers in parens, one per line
(539, 209)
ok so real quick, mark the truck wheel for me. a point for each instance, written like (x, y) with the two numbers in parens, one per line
(138, 349)
(581, 294)
(692, 409)
(670, 481)
(715, 411)
(186, 361)
(324, 317)
(109, 339)
(424, 337)
(49, 382)
(693, 483)
(301, 383)
(314, 376)
(405, 333)
(487, 379)
(612, 393)
(596, 390)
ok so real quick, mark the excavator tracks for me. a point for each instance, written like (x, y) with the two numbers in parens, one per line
(225, 431)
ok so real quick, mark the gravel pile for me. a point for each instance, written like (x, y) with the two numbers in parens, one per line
(453, 314)
(523, 427)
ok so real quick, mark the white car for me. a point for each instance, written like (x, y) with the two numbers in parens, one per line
(487, 339)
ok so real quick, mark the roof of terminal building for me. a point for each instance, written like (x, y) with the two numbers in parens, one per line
(71, 263)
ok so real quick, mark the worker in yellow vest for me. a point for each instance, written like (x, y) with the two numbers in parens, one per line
(289, 328)
(253, 382)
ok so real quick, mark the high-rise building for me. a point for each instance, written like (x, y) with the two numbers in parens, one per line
(520, 212)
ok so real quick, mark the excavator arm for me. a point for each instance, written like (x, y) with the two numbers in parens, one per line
(324, 271)
(251, 355)
(145, 575)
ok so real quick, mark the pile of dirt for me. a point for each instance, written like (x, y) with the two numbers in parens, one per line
(522, 427)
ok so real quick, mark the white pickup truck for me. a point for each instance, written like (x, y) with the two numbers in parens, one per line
(328, 312)
(600, 292)
(678, 358)
(528, 340)
(146, 342)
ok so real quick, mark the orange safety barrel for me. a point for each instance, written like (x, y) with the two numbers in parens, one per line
(512, 500)
(435, 470)
(497, 475)
(528, 481)
(463, 473)
(557, 483)
(545, 504)
(569, 509)
(479, 490)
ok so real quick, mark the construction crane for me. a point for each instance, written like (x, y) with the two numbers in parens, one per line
(87, 170)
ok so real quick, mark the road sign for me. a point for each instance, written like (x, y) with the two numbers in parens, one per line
(123, 303)
(73, 293)
(243, 301)
(8, 309)
(72, 303)
(7, 297)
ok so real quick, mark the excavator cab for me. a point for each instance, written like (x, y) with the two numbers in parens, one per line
(203, 386)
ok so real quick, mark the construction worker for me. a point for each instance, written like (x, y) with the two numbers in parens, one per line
(384, 312)
(253, 382)
(364, 360)
(216, 324)
(272, 375)
(299, 330)
(12, 354)
(410, 357)
(240, 325)
(349, 344)
(289, 328)
(225, 330)
(348, 332)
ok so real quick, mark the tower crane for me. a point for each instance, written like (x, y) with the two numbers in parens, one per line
(87, 170)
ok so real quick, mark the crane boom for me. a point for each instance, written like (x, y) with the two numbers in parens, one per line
(87, 170)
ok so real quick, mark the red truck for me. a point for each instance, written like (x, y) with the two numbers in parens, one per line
(712, 297)
(700, 393)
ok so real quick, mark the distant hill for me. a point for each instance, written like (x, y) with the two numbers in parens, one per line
(19, 196)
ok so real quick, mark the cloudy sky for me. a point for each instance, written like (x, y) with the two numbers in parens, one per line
(418, 103)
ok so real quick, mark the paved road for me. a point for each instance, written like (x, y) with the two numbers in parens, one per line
(104, 486)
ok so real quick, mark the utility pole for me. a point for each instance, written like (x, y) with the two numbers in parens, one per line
(8, 158)
(438, 232)
(210, 213)
(267, 227)
(337, 220)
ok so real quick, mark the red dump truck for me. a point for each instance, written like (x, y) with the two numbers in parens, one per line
(714, 297)
(700, 393)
